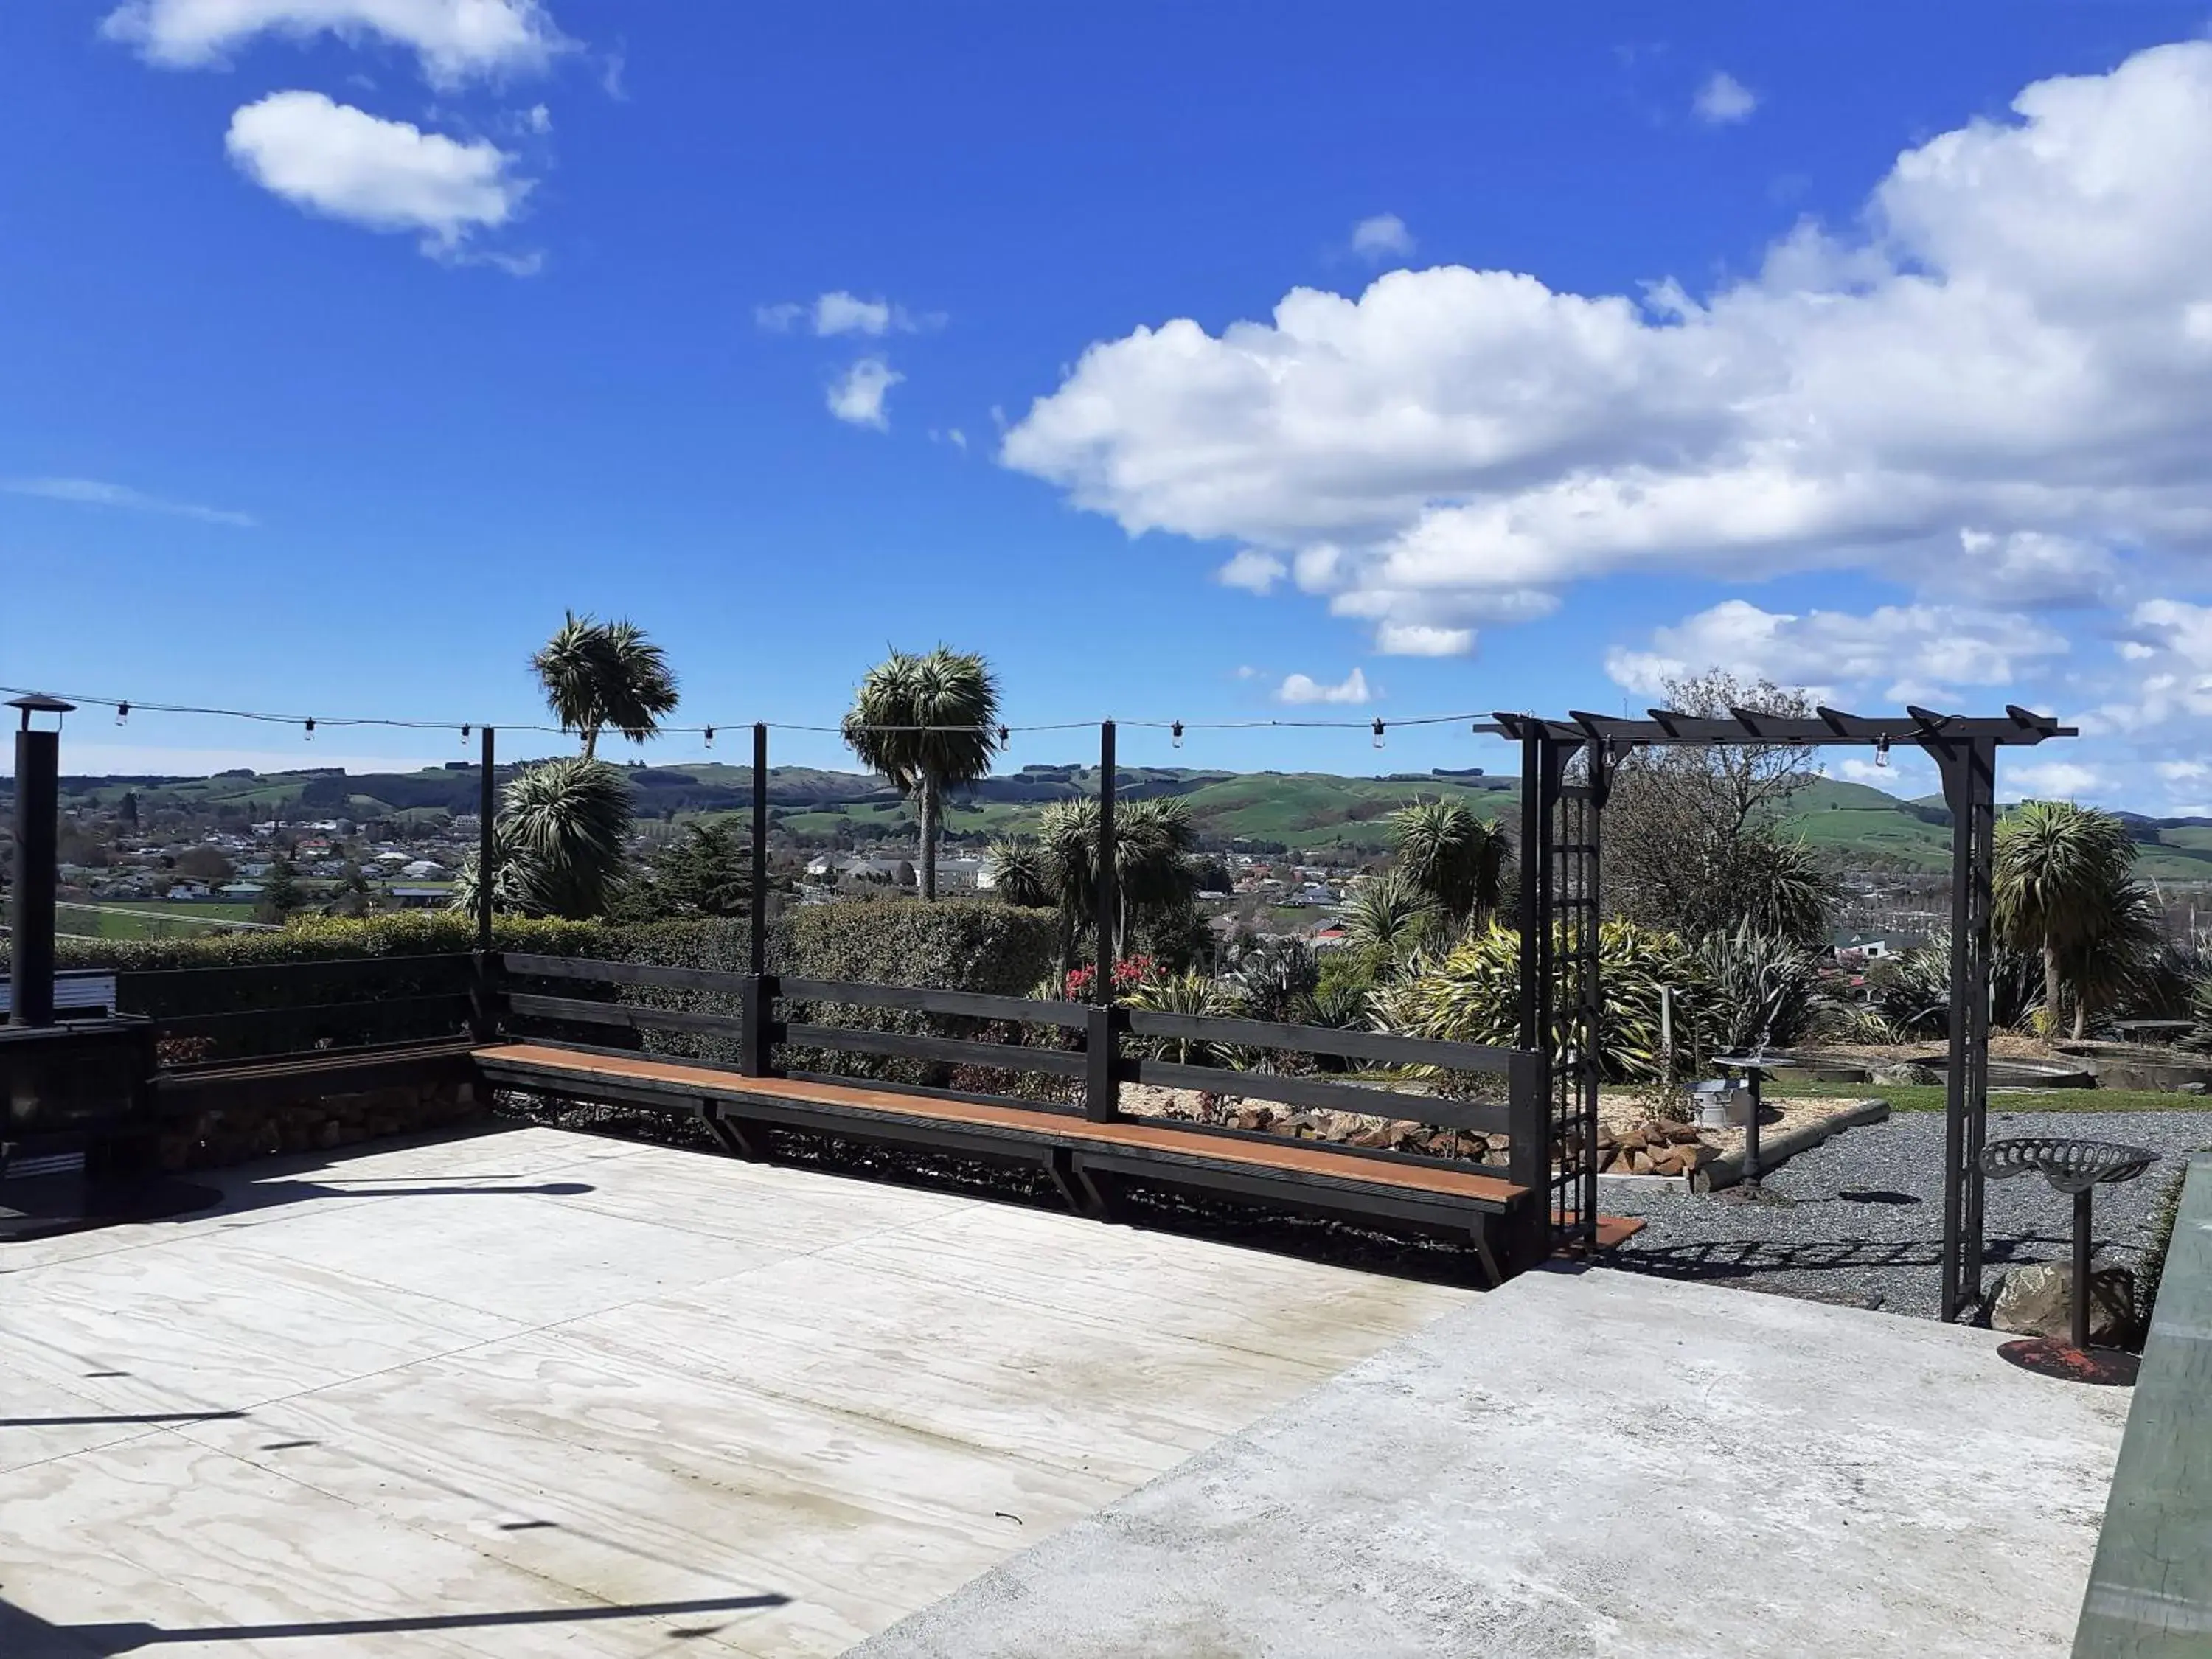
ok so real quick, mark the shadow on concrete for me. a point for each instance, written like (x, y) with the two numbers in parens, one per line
(1748, 1258)
(53, 1206)
(24, 1635)
(1268, 1229)
(144, 1416)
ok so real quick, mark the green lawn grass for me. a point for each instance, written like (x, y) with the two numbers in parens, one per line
(103, 922)
(1928, 1097)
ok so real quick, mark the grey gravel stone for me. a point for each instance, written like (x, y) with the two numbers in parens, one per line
(1865, 1224)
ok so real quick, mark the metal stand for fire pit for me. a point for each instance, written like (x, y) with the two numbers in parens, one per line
(2075, 1167)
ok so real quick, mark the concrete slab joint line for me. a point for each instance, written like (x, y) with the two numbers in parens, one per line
(1594, 1463)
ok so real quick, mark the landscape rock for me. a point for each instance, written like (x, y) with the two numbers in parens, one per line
(2037, 1300)
(1907, 1072)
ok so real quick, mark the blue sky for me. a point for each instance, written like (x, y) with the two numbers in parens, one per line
(1870, 348)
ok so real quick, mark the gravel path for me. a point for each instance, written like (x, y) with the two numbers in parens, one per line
(1867, 1222)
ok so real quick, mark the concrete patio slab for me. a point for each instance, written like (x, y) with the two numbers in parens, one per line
(532, 1392)
(1595, 1464)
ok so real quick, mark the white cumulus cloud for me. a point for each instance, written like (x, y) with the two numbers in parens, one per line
(842, 313)
(1252, 570)
(1901, 653)
(2051, 781)
(1423, 640)
(1382, 237)
(343, 163)
(2006, 365)
(839, 312)
(1303, 688)
(1723, 100)
(455, 40)
(857, 396)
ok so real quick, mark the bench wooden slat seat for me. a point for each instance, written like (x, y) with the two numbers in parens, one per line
(1083, 1157)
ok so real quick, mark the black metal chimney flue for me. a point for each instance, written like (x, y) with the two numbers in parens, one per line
(37, 830)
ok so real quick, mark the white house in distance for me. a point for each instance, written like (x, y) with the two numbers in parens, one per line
(424, 870)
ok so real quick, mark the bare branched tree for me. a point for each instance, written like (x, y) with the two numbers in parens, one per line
(1694, 837)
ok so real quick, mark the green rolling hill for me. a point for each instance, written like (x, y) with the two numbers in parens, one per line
(1313, 813)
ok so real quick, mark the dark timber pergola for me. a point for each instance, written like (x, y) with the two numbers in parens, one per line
(1559, 916)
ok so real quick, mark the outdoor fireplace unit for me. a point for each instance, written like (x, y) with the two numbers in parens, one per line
(78, 1084)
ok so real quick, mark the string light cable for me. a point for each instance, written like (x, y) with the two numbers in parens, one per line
(124, 708)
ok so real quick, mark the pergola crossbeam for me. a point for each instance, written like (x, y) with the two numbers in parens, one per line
(1668, 727)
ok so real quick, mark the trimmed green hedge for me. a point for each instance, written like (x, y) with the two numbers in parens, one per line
(959, 945)
(324, 938)
(965, 945)
(953, 944)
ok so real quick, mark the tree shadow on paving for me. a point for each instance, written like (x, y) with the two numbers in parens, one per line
(24, 1635)
(1738, 1259)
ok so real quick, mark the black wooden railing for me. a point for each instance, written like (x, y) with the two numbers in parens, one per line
(753, 1032)
(1034, 1054)
(224, 1015)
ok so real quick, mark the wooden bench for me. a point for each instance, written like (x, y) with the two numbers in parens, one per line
(1086, 1160)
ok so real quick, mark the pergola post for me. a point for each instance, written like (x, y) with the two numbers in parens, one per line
(1968, 769)
(1535, 891)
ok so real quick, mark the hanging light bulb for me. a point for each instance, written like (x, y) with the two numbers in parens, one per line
(464, 733)
(122, 713)
(311, 730)
(1378, 734)
(1174, 734)
(1881, 751)
(710, 736)
(1002, 735)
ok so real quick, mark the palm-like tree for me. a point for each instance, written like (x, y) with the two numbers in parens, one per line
(927, 723)
(1153, 871)
(561, 839)
(1454, 856)
(600, 674)
(1276, 979)
(1067, 832)
(1022, 872)
(1154, 874)
(2062, 886)
(1389, 913)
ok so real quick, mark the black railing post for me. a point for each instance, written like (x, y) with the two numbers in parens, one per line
(1529, 1160)
(757, 1025)
(1102, 1045)
(756, 1006)
(759, 911)
(37, 836)
(483, 1012)
(1102, 990)
(487, 838)
(1101, 1090)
